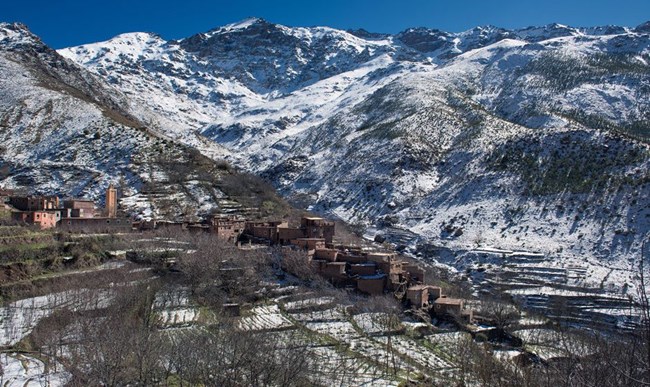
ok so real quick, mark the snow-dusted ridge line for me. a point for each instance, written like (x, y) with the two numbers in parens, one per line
(463, 139)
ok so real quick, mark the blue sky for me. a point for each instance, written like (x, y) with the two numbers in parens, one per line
(62, 23)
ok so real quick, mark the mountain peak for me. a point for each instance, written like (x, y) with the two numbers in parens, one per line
(16, 34)
(239, 26)
(643, 28)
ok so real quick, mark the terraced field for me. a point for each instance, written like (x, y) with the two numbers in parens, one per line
(365, 349)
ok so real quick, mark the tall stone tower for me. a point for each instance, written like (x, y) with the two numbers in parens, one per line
(111, 202)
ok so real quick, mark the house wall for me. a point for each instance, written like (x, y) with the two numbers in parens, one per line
(415, 272)
(448, 306)
(334, 270)
(309, 244)
(419, 297)
(34, 203)
(352, 258)
(42, 219)
(373, 286)
(318, 228)
(326, 254)
(228, 229)
(286, 234)
(96, 225)
(79, 204)
(266, 232)
(363, 269)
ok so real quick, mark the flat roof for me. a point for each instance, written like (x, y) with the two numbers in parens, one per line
(372, 277)
(448, 301)
(420, 287)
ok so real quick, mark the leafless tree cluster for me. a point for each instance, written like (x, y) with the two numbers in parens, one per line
(122, 345)
(217, 271)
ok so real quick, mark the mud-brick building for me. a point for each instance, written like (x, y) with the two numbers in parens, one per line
(42, 219)
(310, 244)
(34, 203)
(227, 227)
(278, 232)
(372, 284)
(421, 296)
(78, 208)
(315, 227)
(264, 230)
(454, 307)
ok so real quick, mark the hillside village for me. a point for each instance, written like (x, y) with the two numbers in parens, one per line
(510, 167)
(369, 272)
(350, 330)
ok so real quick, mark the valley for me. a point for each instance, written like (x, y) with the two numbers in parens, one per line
(513, 164)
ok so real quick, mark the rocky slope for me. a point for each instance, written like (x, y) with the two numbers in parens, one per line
(530, 140)
(64, 131)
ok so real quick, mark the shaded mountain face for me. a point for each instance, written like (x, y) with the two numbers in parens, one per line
(533, 139)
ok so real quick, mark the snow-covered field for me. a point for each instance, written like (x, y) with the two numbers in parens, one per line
(20, 370)
(263, 318)
(173, 307)
(377, 323)
(308, 303)
(18, 318)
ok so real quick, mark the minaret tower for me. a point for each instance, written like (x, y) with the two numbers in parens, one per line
(111, 202)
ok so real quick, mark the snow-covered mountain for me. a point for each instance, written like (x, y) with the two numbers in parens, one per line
(533, 139)
(64, 131)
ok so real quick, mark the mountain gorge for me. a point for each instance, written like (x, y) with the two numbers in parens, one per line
(454, 146)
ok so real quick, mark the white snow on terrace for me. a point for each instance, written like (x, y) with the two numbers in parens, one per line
(308, 303)
(336, 368)
(448, 340)
(549, 344)
(26, 371)
(379, 352)
(377, 323)
(415, 351)
(547, 290)
(340, 330)
(19, 317)
(333, 314)
(264, 318)
(178, 316)
(140, 205)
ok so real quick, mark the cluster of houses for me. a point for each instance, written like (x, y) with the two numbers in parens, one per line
(74, 215)
(370, 272)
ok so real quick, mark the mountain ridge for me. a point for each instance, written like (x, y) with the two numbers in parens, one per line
(445, 143)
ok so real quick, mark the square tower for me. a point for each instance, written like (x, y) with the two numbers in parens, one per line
(111, 202)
